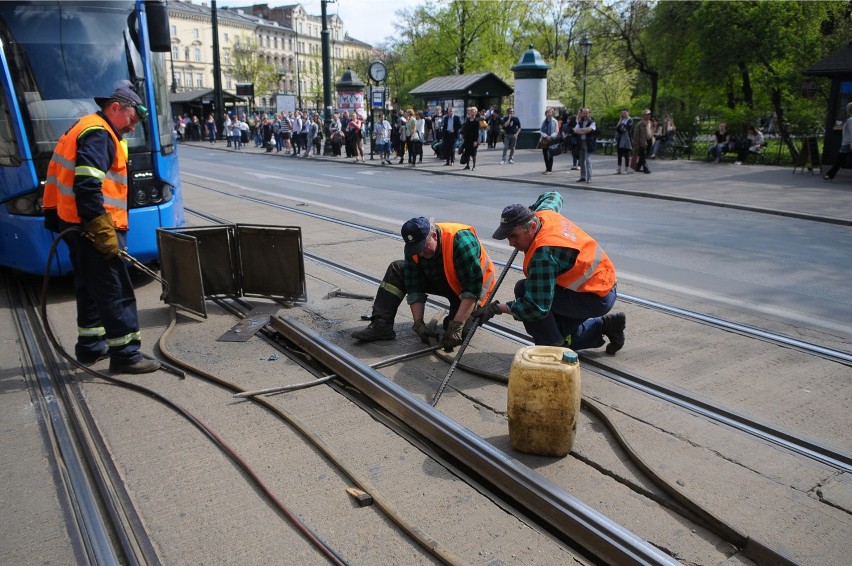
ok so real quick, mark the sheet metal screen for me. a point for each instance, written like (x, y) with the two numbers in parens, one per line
(179, 265)
(231, 260)
(272, 262)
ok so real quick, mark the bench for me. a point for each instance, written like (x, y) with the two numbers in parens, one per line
(681, 145)
(732, 153)
(605, 141)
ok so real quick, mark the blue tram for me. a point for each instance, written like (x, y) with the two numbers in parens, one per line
(55, 57)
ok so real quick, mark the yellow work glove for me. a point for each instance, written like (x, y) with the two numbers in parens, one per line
(104, 237)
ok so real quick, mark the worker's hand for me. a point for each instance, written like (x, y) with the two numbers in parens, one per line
(453, 336)
(103, 235)
(484, 314)
(424, 332)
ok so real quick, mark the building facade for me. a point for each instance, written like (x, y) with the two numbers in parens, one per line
(286, 38)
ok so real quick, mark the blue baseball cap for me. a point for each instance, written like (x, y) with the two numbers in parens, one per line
(414, 233)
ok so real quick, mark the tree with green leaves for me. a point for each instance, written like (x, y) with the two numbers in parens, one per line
(249, 66)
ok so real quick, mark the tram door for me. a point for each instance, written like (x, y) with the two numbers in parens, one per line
(233, 260)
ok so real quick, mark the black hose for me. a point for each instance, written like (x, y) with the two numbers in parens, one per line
(217, 440)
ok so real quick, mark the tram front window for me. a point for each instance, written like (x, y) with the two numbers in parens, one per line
(62, 55)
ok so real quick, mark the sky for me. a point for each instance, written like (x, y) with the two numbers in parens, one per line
(370, 21)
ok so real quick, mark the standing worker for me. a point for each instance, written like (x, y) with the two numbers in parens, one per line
(445, 259)
(86, 186)
(570, 284)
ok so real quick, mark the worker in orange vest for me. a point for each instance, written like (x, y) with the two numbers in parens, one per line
(445, 259)
(86, 186)
(570, 282)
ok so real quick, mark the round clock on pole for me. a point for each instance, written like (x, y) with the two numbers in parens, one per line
(378, 71)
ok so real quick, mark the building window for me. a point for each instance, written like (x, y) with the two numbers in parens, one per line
(228, 82)
(197, 55)
(175, 53)
(195, 33)
(227, 57)
(199, 80)
(174, 30)
(226, 37)
(186, 53)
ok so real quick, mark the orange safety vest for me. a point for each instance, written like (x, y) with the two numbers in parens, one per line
(59, 184)
(448, 234)
(593, 272)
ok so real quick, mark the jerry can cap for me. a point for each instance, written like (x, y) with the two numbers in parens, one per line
(570, 357)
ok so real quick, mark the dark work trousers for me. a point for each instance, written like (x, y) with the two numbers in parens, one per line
(449, 147)
(392, 291)
(106, 304)
(573, 321)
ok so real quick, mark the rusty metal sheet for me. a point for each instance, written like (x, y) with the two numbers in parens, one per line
(256, 319)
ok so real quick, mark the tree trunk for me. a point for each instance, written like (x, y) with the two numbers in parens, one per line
(748, 93)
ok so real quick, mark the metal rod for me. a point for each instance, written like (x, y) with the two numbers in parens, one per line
(473, 328)
(138, 265)
(320, 380)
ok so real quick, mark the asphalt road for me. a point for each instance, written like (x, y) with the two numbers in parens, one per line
(794, 271)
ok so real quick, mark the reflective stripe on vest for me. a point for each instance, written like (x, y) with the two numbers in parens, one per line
(592, 272)
(59, 183)
(489, 279)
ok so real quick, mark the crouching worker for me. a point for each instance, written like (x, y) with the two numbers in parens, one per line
(570, 281)
(445, 259)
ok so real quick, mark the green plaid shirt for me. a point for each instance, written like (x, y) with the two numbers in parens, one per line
(547, 263)
(430, 272)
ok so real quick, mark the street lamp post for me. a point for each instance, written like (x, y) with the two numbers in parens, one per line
(585, 48)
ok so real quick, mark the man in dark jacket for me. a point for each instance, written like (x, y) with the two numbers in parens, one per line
(450, 132)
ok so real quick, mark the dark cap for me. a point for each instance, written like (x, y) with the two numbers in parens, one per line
(513, 215)
(415, 232)
(123, 94)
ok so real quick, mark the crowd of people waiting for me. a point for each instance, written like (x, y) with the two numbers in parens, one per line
(405, 132)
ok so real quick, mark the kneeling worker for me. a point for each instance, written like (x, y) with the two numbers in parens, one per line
(445, 259)
(570, 284)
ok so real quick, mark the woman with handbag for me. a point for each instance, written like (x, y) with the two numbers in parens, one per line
(470, 139)
(548, 132)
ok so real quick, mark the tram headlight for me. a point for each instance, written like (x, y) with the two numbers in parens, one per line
(25, 205)
(140, 197)
(147, 190)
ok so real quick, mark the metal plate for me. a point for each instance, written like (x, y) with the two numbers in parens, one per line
(256, 319)
(272, 261)
(180, 266)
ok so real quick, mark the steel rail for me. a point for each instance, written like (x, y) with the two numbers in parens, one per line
(571, 519)
(91, 524)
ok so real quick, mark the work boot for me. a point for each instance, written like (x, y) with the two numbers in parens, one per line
(613, 328)
(142, 366)
(90, 359)
(378, 329)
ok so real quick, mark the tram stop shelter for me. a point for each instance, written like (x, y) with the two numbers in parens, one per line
(460, 91)
(837, 67)
(199, 102)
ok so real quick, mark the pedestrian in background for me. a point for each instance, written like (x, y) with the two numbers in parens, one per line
(86, 187)
(845, 151)
(642, 139)
(470, 139)
(210, 124)
(382, 129)
(450, 131)
(623, 144)
(511, 127)
(548, 133)
(585, 132)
